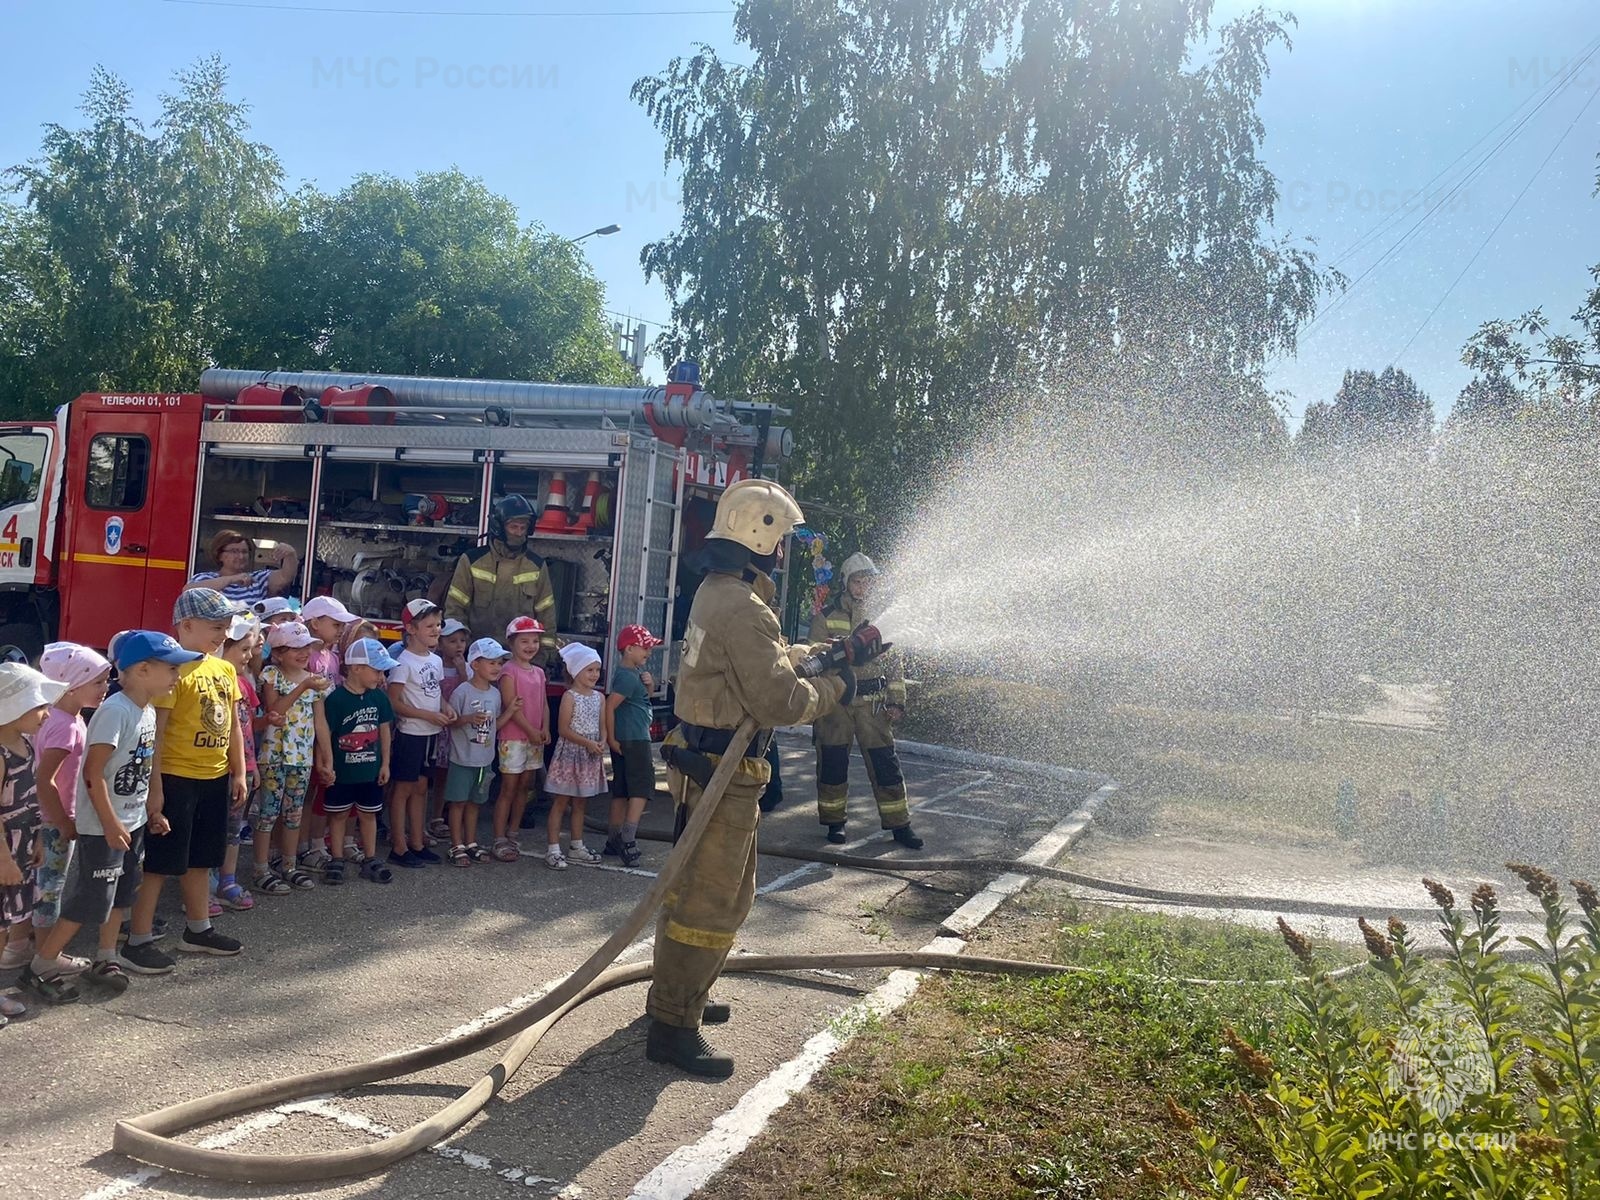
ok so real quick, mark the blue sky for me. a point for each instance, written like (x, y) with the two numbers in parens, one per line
(1374, 100)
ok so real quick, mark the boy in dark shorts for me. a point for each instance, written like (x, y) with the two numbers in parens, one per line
(113, 788)
(416, 696)
(354, 729)
(627, 730)
(198, 775)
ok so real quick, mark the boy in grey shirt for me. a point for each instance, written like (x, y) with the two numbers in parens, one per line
(480, 714)
(113, 788)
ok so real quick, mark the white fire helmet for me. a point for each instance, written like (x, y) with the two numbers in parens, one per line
(857, 564)
(756, 513)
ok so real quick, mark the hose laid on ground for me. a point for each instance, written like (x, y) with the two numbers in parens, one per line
(149, 1138)
(1277, 904)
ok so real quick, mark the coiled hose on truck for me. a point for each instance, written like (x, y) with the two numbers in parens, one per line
(151, 1137)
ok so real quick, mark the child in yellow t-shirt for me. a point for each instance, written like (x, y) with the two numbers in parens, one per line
(198, 773)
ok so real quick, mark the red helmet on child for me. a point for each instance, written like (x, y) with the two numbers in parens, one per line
(523, 625)
(637, 635)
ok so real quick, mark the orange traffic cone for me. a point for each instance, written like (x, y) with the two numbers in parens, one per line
(557, 515)
(591, 491)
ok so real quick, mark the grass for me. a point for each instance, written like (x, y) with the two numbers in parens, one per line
(1001, 1087)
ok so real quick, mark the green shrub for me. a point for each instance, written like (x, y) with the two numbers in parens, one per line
(1479, 1079)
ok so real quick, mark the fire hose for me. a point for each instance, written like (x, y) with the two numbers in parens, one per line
(151, 1137)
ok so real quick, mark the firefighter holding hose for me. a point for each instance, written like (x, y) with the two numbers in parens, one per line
(869, 719)
(734, 664)
(496, 583)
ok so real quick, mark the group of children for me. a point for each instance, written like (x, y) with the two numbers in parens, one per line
(266, 728)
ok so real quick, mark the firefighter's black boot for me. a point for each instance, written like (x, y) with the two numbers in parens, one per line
(908, 839)
(715, 1013)
(836, 833)
(686, 1050)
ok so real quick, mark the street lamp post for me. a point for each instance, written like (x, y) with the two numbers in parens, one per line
(603, 231)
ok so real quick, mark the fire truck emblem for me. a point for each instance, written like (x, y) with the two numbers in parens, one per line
(113, 535)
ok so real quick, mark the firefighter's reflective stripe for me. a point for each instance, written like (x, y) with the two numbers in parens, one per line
(459, 596)
(524, 577)
(480, 573)
(839, 625)
(547, 602)
(124, 560)
(706, 939)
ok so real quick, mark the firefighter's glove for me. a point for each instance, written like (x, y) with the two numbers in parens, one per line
(865, 644)
(847, 677)
(859, 648)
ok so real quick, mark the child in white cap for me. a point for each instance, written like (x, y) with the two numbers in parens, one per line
(58, 752)
(25, 700)
(288, 753)
(480, 715)
(577, 771)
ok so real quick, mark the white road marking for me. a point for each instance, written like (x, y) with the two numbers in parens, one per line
(455, 1154)
(317, 1105)
(687, 1169)
(217, 1141)
(980, 907)
(807, 868)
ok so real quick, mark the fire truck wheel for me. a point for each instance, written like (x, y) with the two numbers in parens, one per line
(23, 636)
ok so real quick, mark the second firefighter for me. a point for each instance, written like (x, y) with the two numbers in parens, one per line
(869, 719)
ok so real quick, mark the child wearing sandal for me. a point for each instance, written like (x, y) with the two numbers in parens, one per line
(58, 759)
(524, 735)
(577, 770)
(288, 753)
(627, 731)
(420, 716)
(242, 649)
(25, 700)
(453, 639)
(355, 729)
(329, 621)
(112, 814)
(480, 715)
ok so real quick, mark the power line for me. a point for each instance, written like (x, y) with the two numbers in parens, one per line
(1478, 168)
(1393, 218)
(1571, 125)
(438, 12)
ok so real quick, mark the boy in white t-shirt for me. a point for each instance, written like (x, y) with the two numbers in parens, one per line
(113, 791)
(420, 714)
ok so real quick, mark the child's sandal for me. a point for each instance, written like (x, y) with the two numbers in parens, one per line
(506, 851)
(10, 1006)
(52, 989)
(333, 873)
(376, 871)
(271, 884)
(459, 856)
(477, 853)
(297, 878)
(235, 897)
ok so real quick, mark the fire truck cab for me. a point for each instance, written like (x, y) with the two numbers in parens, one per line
(379, 482)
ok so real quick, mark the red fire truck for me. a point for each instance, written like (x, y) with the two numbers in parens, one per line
(380, 482)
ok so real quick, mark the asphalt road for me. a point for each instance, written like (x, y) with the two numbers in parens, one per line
(336, 975)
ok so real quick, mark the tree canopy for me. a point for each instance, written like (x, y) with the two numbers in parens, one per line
(139, 255)
(897, 210)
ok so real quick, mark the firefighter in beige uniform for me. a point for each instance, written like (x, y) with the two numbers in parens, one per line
(869, 719)
(496, 583)
(735, 663)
